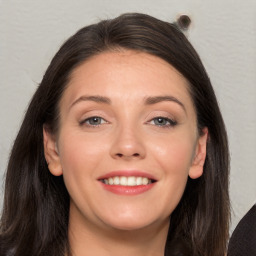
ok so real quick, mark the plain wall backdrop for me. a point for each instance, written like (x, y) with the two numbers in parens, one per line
(222, 31)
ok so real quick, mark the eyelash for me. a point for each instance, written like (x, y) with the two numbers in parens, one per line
(163, 122)
(87, 121)
(171, 123)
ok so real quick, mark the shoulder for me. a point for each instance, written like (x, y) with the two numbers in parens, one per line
(243, 239)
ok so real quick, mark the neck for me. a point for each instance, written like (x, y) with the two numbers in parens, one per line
(88, 240)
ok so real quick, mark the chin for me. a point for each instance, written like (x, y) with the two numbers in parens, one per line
(125, 226)
(129, 223)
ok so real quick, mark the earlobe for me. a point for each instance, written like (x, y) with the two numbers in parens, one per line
(196, 170)
(51, 153)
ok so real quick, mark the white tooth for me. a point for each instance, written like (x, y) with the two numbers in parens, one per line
(145, 181)
(139, 180)
(123, 181)
(110, 181)
(131, 181)
(116, 180)
(106, 181)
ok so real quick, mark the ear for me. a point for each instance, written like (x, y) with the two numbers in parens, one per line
(196, 169)
(51, 152)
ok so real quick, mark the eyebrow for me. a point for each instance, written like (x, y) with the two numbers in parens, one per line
(96, 98)
(158, 99)
(147, 100)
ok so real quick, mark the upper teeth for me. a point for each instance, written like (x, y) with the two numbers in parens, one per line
(127, 181)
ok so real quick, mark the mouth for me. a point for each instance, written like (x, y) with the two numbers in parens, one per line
(127, 181)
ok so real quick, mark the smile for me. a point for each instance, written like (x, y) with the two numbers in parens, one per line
(127, 181)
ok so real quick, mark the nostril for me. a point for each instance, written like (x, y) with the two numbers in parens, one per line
(124, 155)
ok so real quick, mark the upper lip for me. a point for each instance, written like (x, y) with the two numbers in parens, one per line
(127, 173)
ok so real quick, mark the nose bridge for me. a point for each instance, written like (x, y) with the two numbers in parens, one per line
(128, 141)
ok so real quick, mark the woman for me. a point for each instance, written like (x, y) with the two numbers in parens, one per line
(123, 150)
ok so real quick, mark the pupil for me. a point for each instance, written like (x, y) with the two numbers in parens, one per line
(160, 121)
(95, 120)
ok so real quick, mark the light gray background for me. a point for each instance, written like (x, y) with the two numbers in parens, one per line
(223, 32)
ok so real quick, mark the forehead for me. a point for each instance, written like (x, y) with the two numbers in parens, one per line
(127, 75)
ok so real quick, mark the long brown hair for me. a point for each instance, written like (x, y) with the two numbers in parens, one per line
(36, 204)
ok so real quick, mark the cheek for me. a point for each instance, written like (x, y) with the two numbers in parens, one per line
(173, 157)
(79, 150)
(80, 157)
(174, 154)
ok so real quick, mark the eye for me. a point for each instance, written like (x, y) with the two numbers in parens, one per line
(163, 121)
(93, 121)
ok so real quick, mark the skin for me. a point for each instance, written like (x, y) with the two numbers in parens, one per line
(128, 136)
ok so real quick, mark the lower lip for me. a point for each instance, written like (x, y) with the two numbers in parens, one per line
(127, 190)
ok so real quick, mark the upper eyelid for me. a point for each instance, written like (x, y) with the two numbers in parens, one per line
(164, 117)
(171, 120)
(111, 117)
(163, 114)
(83, 120)
(93, 113)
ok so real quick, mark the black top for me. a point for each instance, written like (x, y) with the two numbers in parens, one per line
(243, 239)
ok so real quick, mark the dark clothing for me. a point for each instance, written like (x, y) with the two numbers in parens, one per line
(243, 239)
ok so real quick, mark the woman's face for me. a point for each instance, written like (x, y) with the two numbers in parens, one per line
(127, 142)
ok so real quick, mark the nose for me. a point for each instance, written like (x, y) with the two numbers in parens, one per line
(128, 144)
